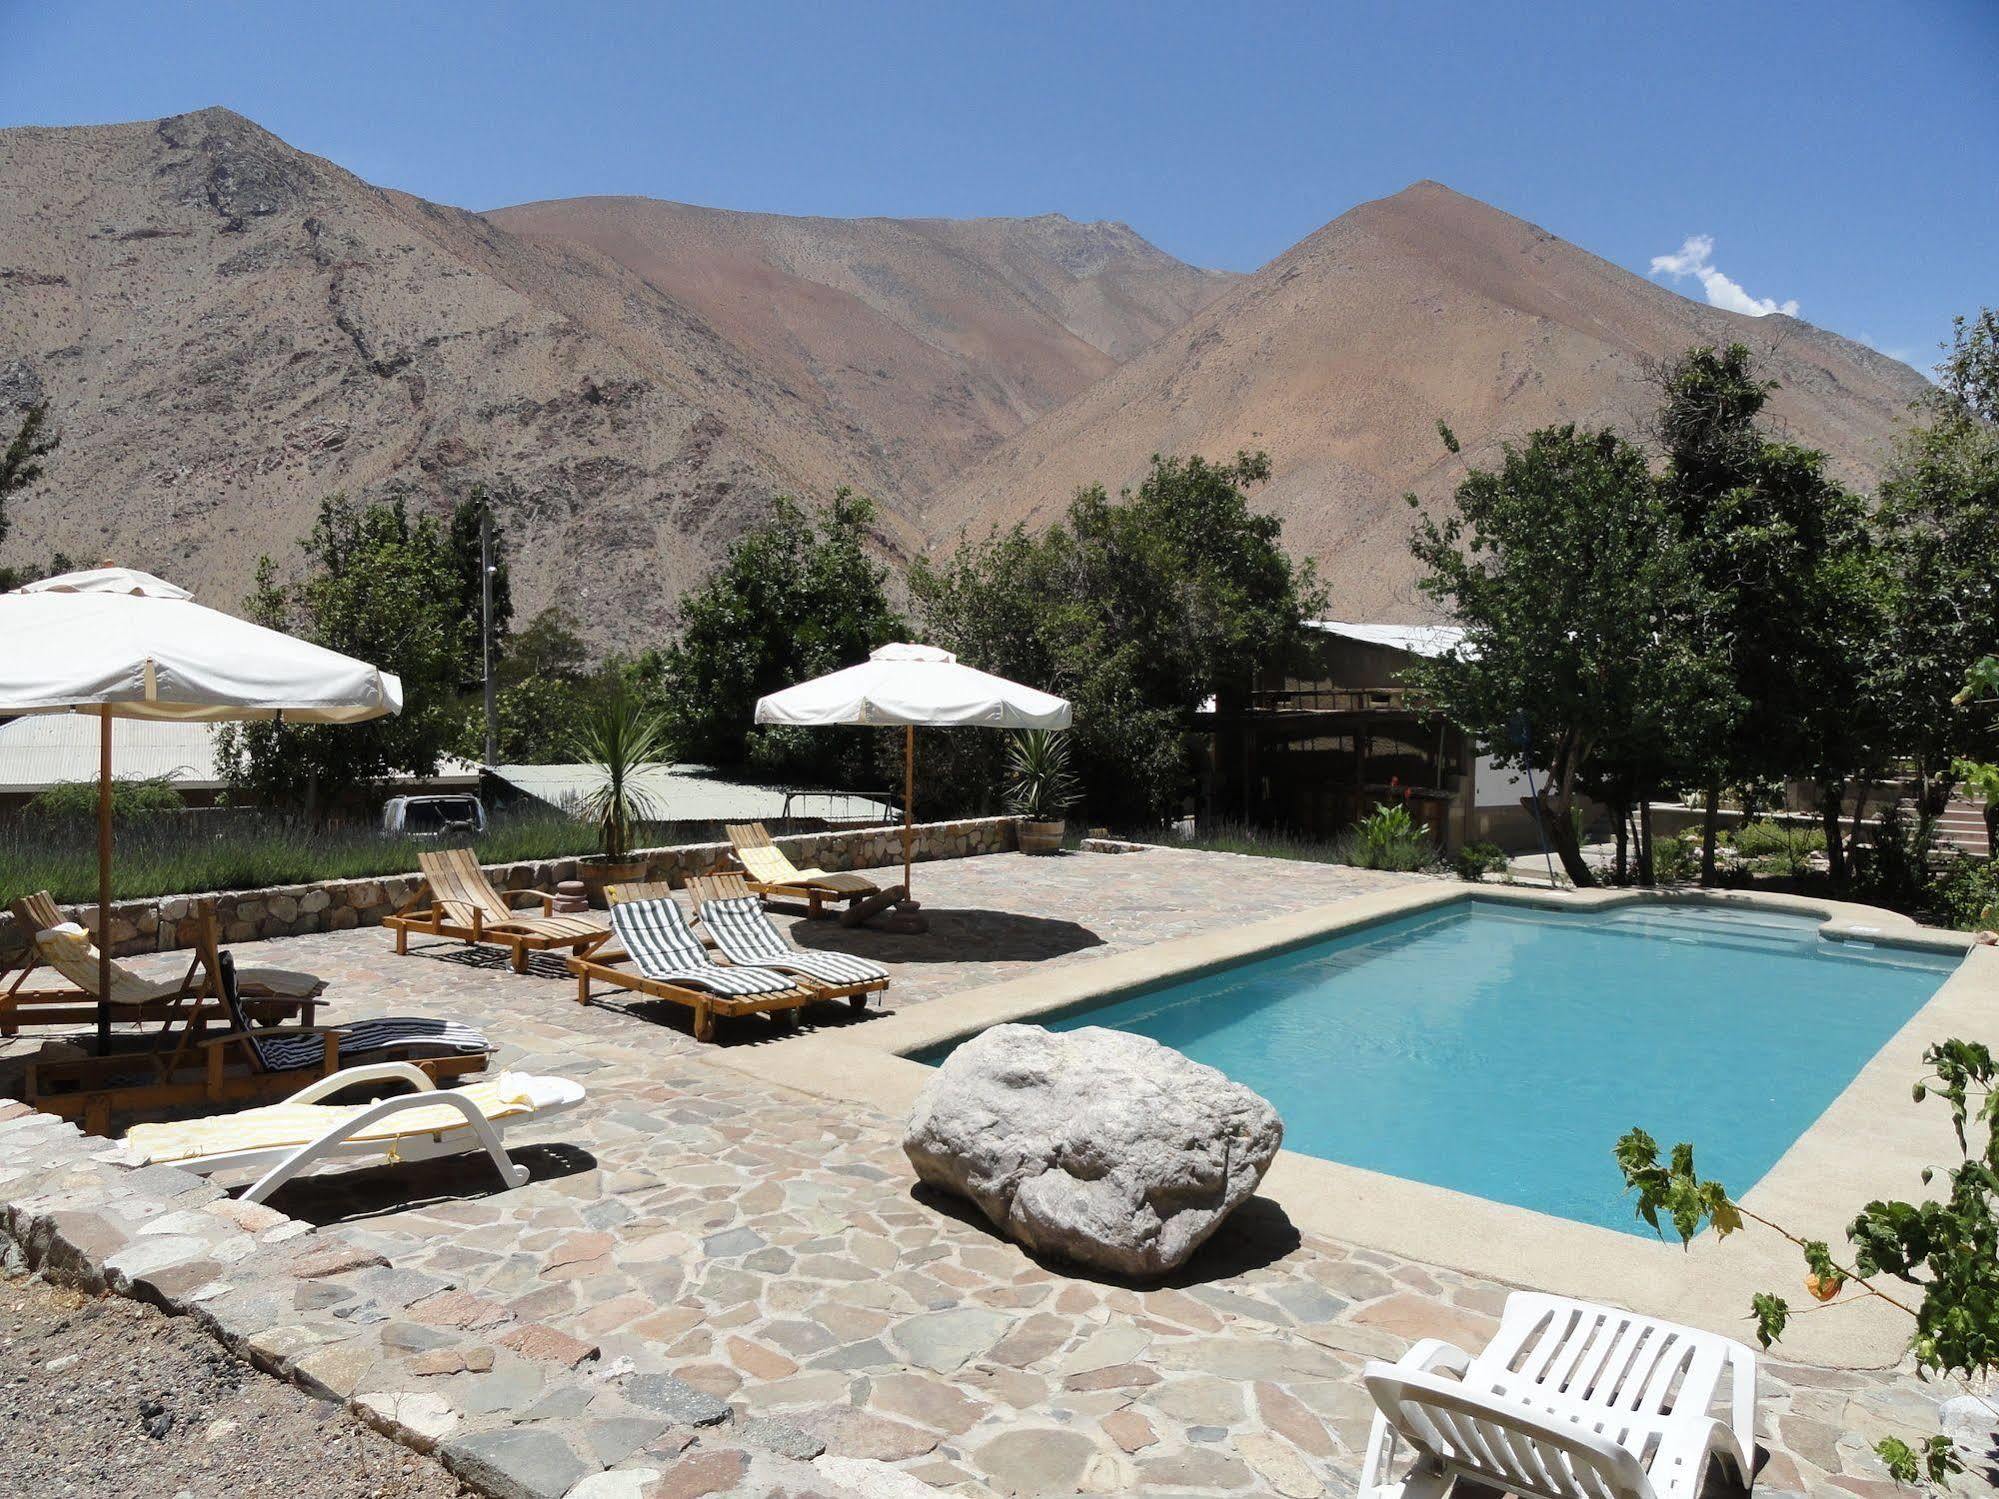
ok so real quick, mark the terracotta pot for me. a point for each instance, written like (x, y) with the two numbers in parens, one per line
(1042, 837)
(597, 873)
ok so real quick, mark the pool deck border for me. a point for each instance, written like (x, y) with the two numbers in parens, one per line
(1871, 1141)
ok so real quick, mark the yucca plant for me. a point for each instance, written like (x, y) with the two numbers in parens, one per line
(1039, 785)
(620, 737)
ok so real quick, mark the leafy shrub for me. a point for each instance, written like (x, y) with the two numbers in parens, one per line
(1759, 840)
(1387, 838)
(129, 798)
(1676, 859)
(1475, 860)
(1965, 894)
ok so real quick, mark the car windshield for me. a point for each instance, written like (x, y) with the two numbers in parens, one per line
(431, 816)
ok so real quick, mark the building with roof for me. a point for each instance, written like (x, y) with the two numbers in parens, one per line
(1334, 730)
(694, 801)
(43, 750)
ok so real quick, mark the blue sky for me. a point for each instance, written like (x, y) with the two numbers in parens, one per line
(1831, 154)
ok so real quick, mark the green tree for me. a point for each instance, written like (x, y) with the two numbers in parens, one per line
(461, 544)
(799, 594)
(380, 587)
(1788, 597)
(1136, 609)
(546, 684)
(1937, 523)
(1568, 576)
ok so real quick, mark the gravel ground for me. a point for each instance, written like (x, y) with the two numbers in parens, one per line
(103, 1398)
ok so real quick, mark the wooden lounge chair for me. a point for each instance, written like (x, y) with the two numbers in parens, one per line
(247, 1062)
(1568, 1401)
(289, 1139)
(767, 871)
(734, 920)
(65, 948)
(663, 959)
(457, 900)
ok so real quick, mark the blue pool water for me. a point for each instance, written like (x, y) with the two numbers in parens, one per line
(1501, 1051)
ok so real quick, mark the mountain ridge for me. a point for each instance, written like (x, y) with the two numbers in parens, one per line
(1339, 356)
(227, 328)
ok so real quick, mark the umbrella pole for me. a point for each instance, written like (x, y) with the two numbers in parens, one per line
(908, 798)
(104, 881)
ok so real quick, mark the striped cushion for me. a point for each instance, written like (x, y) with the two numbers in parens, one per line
(745, 935)
(282, 1053)
(665, 948)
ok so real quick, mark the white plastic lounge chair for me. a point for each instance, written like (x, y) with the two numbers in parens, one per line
(734, 919)
(668, 962)
(1568, 1401)
(285, 1140)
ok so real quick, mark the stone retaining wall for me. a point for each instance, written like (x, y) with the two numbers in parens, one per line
(163, 923)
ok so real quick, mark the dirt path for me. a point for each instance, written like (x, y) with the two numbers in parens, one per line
(108, 1399)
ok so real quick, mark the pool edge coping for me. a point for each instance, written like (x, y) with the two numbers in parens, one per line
(1814, 1187)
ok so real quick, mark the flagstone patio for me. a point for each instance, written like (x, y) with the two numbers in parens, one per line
(756, 1267)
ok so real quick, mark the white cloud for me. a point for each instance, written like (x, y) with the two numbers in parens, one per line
(1696, 258)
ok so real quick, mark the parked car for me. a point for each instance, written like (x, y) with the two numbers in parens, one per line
(433, 816)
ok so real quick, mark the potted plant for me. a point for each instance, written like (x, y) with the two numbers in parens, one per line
(1039, 788)
(619, 738)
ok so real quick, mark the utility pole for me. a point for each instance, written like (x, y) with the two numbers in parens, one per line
(486, 622)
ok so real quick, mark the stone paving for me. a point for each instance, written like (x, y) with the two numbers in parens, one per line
(752, 1279)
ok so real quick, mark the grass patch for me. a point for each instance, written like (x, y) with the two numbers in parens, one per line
(172, 854)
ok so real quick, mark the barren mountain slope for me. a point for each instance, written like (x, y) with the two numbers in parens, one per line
(931, 340)
(1340, 355)
(226, 329)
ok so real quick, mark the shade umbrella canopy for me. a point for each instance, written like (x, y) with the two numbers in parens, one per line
(115, 643)
(158, 654)
(918, 686)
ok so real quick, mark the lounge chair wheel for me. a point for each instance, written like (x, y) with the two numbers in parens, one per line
(857, 1002)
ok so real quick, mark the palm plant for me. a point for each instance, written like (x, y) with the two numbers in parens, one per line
(1039, 785)
(620, 737)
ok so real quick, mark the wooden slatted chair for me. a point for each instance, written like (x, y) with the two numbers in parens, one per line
(245, 1063)
(457, 900)
(768, 872)
(64, 948)
(1568, 1401)
(659, 956)
(733, 919)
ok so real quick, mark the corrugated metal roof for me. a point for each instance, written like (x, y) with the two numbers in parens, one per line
(1418, 640)
(694, 793)
(48, 749)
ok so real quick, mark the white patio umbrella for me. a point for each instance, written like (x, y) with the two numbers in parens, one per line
(115, 643)
(915, 686)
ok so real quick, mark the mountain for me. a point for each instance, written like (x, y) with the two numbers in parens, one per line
(1340, 356)
(932, 339)
(226, 329)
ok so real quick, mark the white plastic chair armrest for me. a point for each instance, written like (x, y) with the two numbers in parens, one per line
(374, 1072)
(1433, 1355)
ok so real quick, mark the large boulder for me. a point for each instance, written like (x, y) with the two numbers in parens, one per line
(1092, 1145)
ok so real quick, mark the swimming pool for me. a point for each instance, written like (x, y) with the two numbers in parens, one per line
(1501, 1050)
